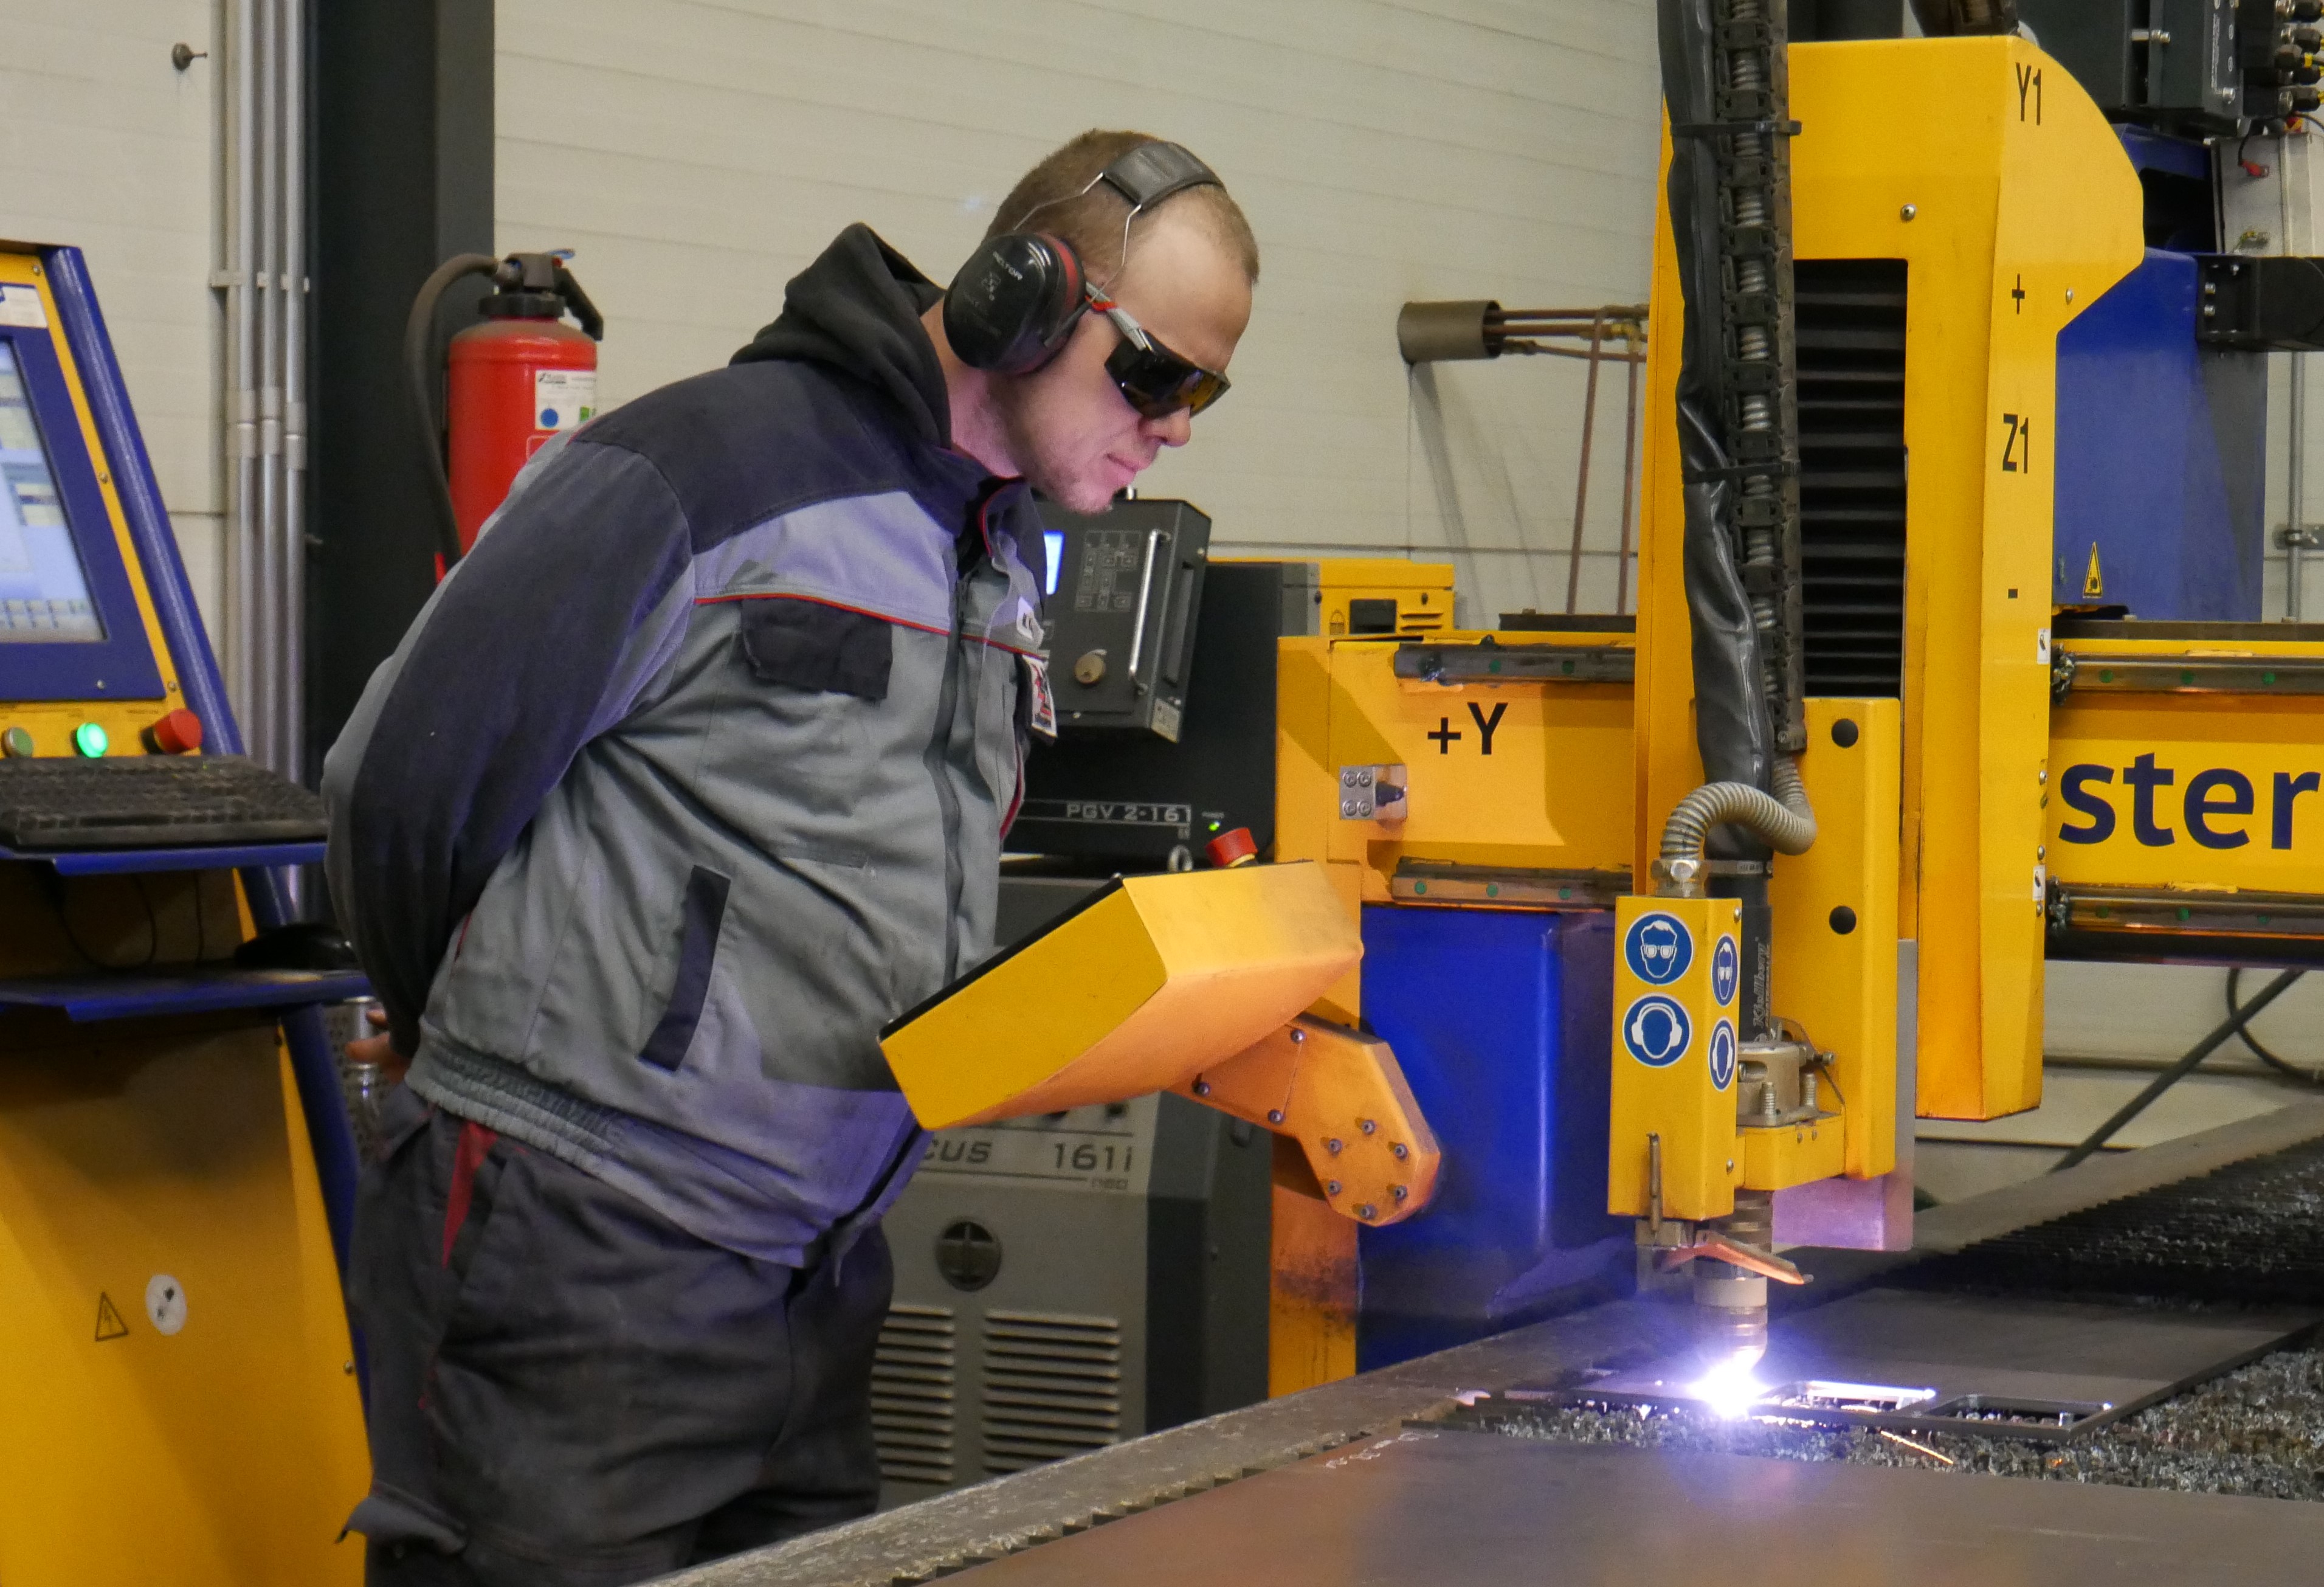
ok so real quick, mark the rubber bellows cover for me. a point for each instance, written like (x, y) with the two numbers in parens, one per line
(1013, 303)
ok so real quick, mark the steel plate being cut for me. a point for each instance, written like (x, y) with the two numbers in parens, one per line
(2002, 1366)
(1466, 1509)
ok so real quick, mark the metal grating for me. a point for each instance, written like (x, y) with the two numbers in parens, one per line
(2251, 1233)
(1851, 399)
(912, 1386)
(1051, 1387)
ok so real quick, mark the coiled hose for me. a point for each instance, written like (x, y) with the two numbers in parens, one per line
(1783, 819)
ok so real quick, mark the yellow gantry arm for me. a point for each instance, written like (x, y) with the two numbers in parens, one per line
(1195, 983)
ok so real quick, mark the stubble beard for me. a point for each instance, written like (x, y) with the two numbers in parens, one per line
(1053, 476)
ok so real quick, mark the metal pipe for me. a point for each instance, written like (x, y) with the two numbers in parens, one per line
(294, 390)
(2296, 506)
(2235, 1022)
(1581, 481)
(1629, 487)
(265, 708)
(2296, 491)
(242, 331)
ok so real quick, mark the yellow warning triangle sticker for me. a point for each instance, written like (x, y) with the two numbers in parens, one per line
(109, 1325)
(2093, 583)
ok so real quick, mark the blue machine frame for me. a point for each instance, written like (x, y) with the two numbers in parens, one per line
(119, 665)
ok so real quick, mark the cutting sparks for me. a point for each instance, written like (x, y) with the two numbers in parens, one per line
(1908, 1443)
(1729, 1389)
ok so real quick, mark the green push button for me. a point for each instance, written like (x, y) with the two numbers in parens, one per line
(90, 740)
(16, 742)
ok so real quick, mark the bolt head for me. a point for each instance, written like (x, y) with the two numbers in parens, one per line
(1909, 211)
(1401, 1150)
(1399, 1191)
(1366, 1125)
(1274, 1116)
(1202, 1088)
(1297, 1036)
(1330, 1188)
(1333, 1146)
(1366, 1212)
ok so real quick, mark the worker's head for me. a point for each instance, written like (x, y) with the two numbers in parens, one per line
(1169, 289)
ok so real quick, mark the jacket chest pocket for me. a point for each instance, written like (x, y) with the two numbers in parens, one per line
(826, 649)
(808, 708)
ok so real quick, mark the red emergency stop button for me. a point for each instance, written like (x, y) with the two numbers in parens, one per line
(1232, 847)
(177, 733)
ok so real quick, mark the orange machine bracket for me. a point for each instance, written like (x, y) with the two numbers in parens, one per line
(1341, 1096)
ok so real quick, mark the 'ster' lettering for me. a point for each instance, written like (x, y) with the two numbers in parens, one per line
(2143, 777)
(2202, 805)
(2288, 788)
(2072, 788)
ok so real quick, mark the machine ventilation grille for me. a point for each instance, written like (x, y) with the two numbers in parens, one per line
(912, 1384)
(1850, 319)
(1051, 1387)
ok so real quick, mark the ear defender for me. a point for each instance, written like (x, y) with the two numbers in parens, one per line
(1013, 302)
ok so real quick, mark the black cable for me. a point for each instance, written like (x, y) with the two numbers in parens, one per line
(152, 922)
(2305, 1077)
(420, 367)
(2180, 1070)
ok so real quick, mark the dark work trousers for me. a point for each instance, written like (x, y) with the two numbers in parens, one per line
(566, 1390)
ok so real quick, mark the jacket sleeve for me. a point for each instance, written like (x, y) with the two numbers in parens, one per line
(544, 636)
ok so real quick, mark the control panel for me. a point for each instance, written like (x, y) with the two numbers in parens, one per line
(1125, 588)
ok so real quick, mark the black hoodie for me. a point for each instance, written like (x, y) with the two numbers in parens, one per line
(857, 308)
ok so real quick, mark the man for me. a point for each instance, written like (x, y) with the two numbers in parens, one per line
(689, 778)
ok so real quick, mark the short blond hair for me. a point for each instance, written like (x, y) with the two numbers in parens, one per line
(1062, 196)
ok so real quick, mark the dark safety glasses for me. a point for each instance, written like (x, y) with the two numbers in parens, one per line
(1151, 378)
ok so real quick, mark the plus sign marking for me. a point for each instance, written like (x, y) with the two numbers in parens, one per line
(1658, 948)
(1657, 1032)
(1722, 1054)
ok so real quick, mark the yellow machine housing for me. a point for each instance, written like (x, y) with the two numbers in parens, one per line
(179, 1385)
(1995, 195)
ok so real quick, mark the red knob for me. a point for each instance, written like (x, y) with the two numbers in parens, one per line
(1232, 847)
(177, 733)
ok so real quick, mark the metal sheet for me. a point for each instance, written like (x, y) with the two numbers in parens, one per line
(1959, 1355)
(1453, 1509)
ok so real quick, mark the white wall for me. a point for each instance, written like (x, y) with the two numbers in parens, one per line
(698, 152)
(104, 145)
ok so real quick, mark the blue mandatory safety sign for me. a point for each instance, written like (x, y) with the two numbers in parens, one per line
(1657, 1032)
(1722, 1054)
(1725, 971)
(1658, 948)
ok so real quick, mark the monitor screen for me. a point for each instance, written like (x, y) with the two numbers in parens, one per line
(43, 590)
(1053, 547)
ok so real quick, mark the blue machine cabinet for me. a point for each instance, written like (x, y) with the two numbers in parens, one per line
(1501, 1020)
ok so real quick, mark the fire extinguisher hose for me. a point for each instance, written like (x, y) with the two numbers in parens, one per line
(420, 361)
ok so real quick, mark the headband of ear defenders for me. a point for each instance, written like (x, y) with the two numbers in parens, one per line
(1019, 295)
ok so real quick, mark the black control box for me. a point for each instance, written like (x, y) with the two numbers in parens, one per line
(1133, 801)
(1126, 585)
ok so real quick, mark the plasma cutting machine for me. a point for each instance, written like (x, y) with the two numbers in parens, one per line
(1674, 927)
(1876, 774)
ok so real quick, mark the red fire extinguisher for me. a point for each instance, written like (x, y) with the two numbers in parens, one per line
(511, 382)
